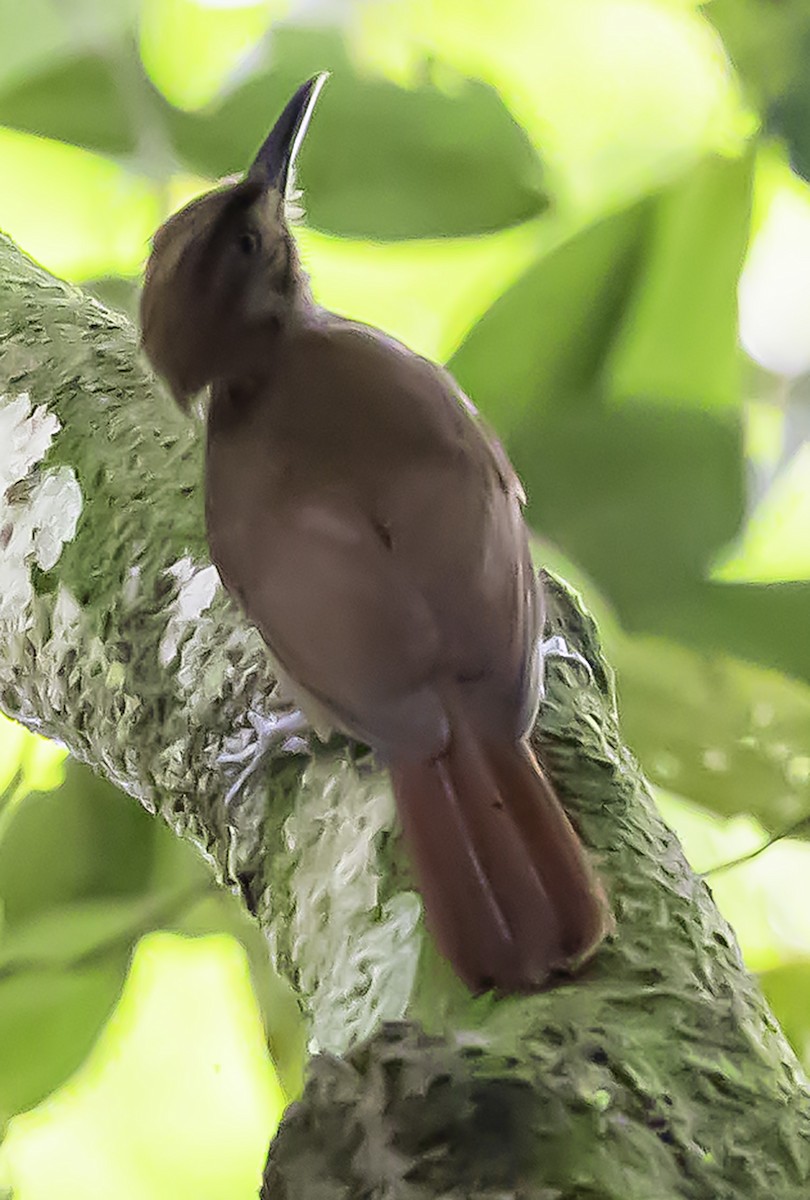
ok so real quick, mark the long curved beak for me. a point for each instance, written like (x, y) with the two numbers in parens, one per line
(274, 162)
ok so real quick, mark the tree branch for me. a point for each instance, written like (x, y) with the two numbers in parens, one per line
(659, 1072)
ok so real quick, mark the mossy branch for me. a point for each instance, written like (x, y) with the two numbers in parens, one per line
(657, 1073)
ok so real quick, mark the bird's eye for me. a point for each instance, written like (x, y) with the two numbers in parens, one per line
(248, 242)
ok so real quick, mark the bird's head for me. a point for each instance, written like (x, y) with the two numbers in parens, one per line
(224, 269)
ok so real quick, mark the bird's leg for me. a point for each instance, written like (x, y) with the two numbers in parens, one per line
(287, 729)
(557, 647)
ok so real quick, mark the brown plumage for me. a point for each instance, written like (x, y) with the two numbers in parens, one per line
(371, 528)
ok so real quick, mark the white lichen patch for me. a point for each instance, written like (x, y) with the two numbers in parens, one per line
(197, 589)
(25, 437)
(356, 959)
(39, 510)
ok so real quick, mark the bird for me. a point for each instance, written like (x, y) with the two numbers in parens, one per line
(370, 525)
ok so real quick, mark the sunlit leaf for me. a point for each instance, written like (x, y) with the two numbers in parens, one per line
(286, 1030)
(786, 989)
(216, 910)
(178, 1099)
(379, 161)
(49, 1019)
(76, 212)
(766, 899)
(640, 496)
(679, 338)
(385, 283)
(775, 544)
(84, 874)
(622, 95)
(543, 344)
(644, 495)
(215, 41)
(37, 762)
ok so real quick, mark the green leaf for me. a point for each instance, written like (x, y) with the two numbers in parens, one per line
(215, 39)
(764, 40)
(770, 44)
(83, 840)
(217, 910)
(730, 737)
(40, 32)
(641, 496)
(379, 161)
(679, 338)
(723, 734)
(86, 931)
(286, 1030)
(75, 887)
(27, 763)
(774, 545)
(78, 100)
(763, 623)
(542, 345)
(30, 43)
(786, 990)
(49, 1020)
(789, 116)
(84, 873)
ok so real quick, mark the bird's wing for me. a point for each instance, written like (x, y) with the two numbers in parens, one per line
(381, 550)
(344, 621)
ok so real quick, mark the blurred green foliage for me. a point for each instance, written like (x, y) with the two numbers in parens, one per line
(85, 875)
(770, 44)
(558, 200)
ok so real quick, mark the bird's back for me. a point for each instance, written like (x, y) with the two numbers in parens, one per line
(348, 456)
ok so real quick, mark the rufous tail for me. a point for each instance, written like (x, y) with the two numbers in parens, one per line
(509, 893)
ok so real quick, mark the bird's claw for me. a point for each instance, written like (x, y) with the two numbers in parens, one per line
(557, 647)
(285, 729)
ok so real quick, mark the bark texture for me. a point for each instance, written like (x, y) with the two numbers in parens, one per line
(659, 1073)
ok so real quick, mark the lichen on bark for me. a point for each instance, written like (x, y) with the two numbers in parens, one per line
(658, 1072)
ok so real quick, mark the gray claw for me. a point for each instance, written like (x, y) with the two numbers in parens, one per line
(557, 647)
(285, 730)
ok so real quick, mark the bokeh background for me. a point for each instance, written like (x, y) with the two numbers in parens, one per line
(597, 213)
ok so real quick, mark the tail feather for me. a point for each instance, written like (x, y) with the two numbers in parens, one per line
(508, 890)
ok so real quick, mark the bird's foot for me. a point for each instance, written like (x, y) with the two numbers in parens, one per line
(557, 647)
(287, 729)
